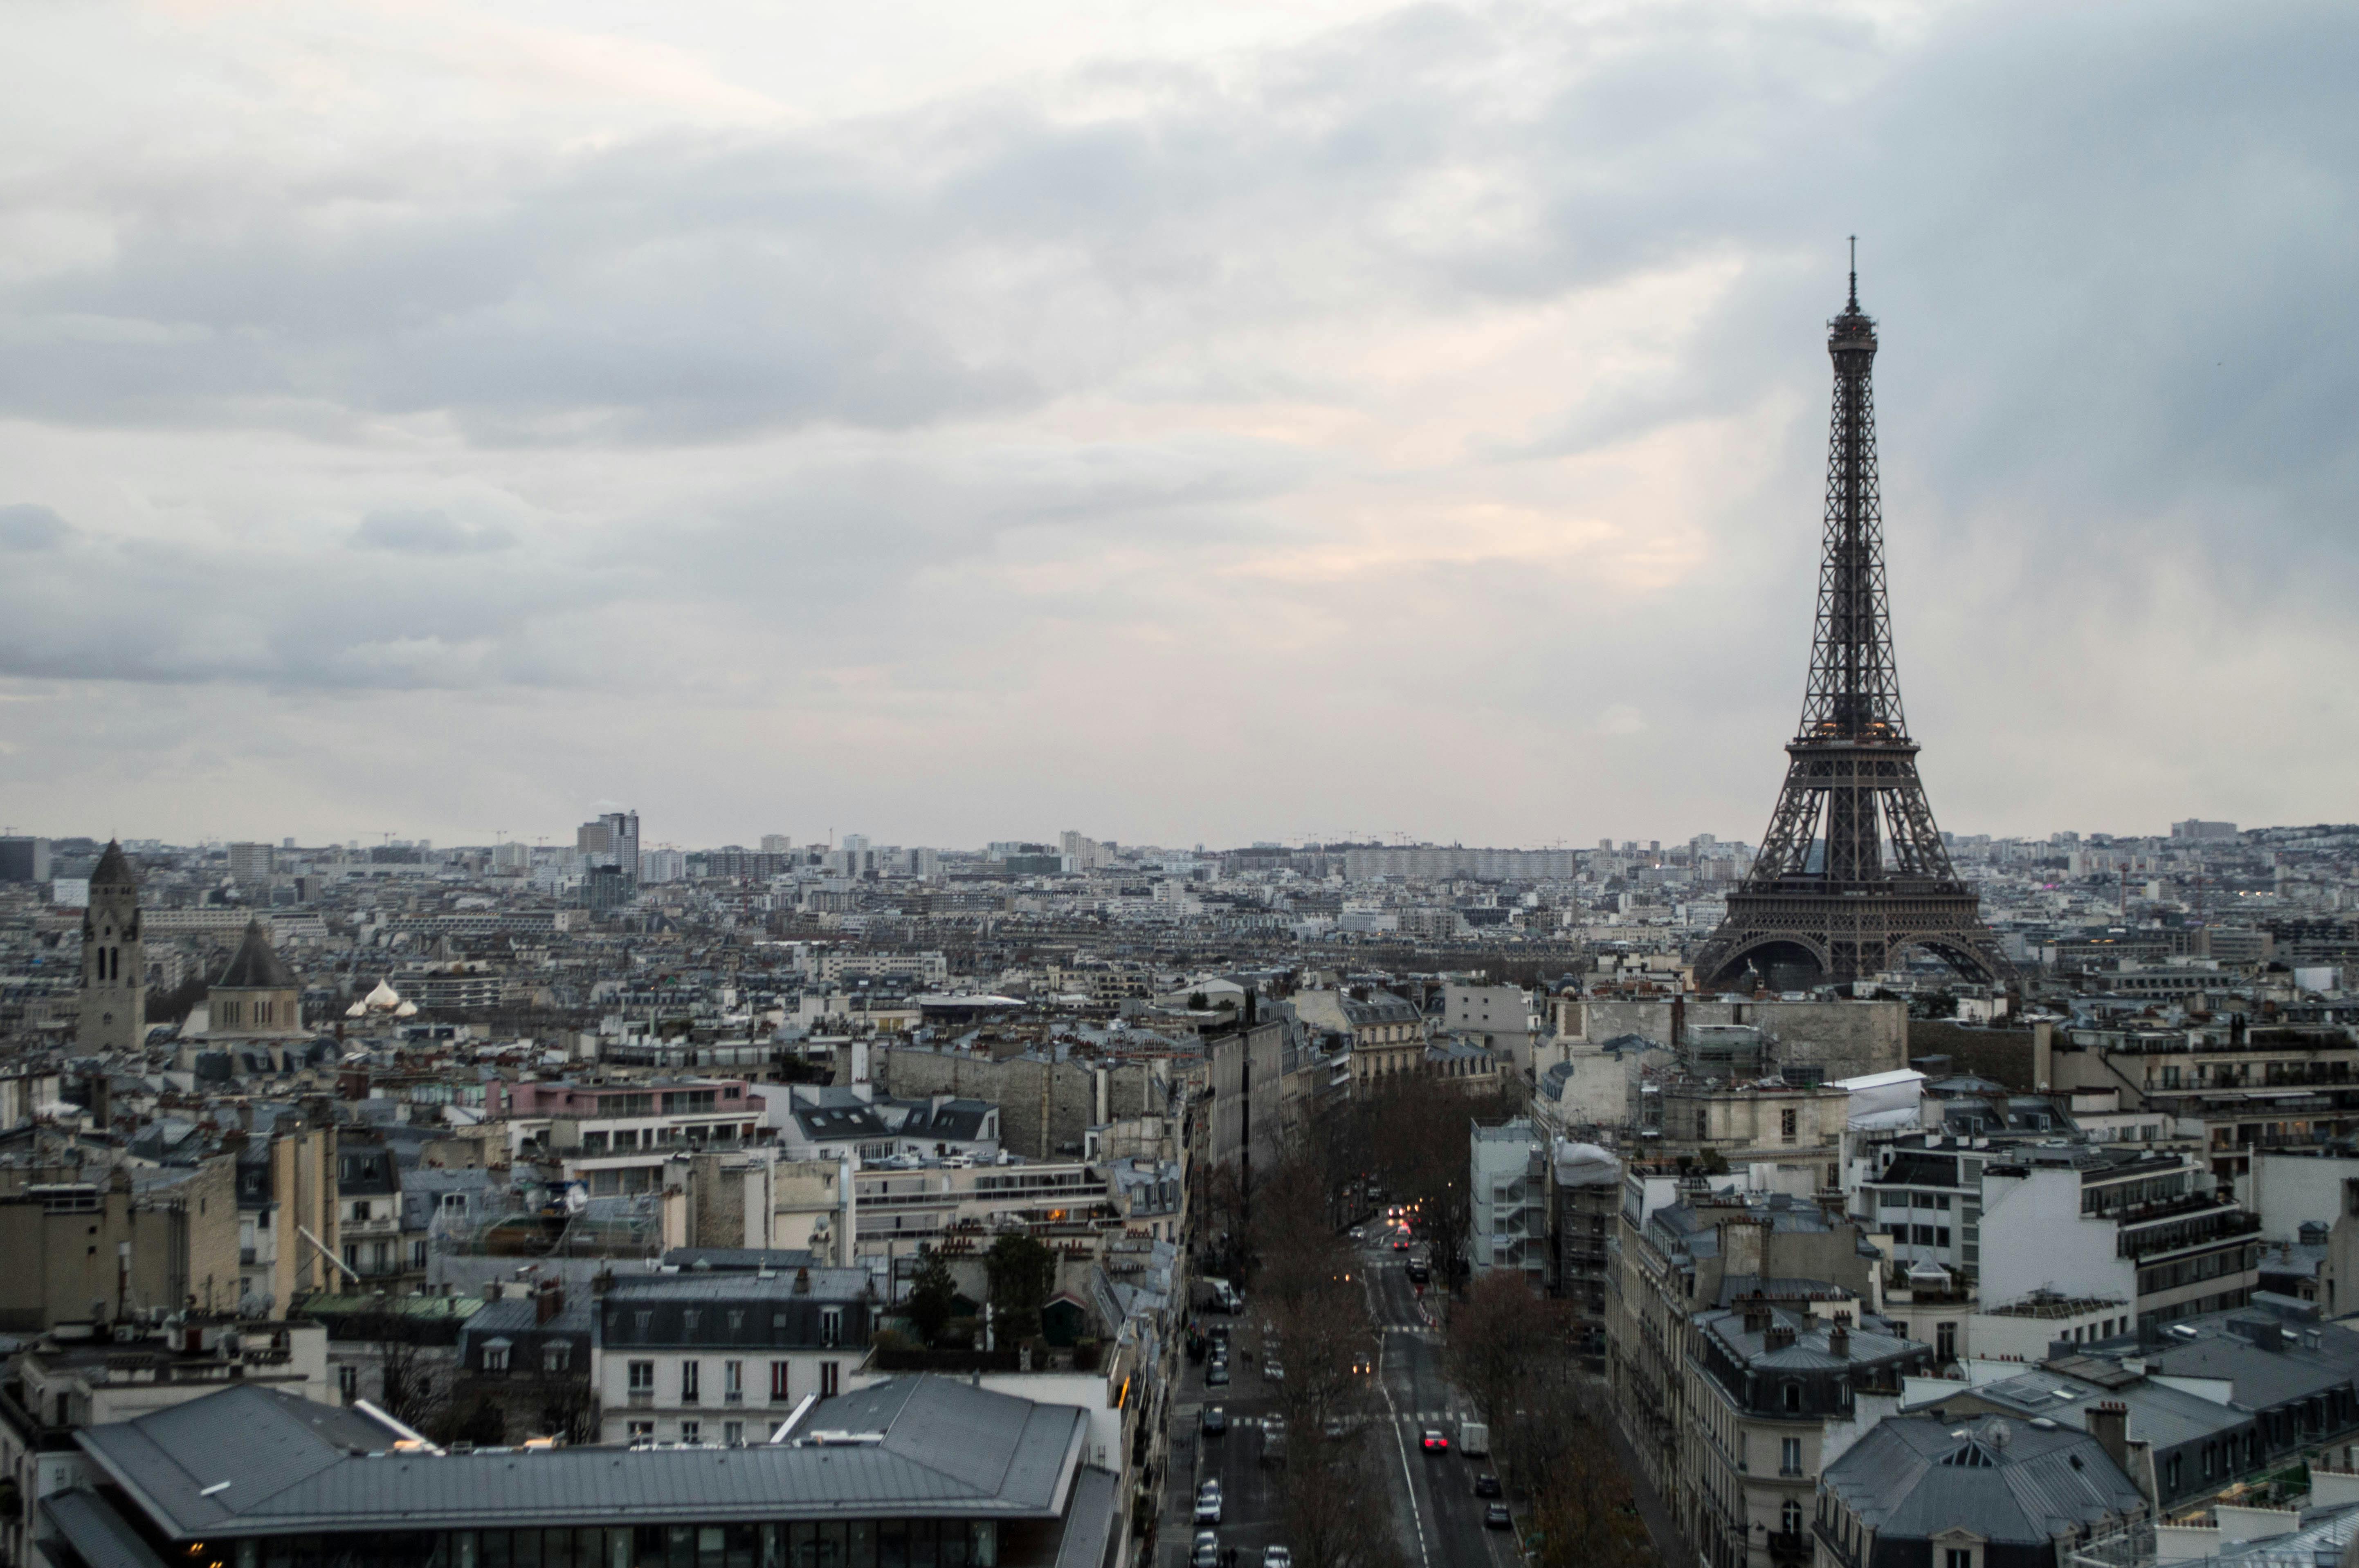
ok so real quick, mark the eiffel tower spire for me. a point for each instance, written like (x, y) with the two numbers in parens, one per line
(1851, 870)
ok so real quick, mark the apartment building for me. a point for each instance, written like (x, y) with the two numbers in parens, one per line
(1766, 1382)
(2250, 1089)
(2153, 1228)
(615, 1137)
(723, 1356)
(1682, 1250)
(1507, 1190)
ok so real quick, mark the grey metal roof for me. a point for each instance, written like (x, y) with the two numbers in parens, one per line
(100, 1536)
(738, 1286)
(2159, 1414)
(2007, 1481)
(1089, 1523)
(1809, 1351)
(293, 1465)
(2263, 1379)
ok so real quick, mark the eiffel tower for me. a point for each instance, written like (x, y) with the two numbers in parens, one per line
(1852, 872)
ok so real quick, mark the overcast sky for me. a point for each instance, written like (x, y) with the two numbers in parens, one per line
(1182, 421)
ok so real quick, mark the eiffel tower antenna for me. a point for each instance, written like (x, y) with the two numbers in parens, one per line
(1852, 872)
(1855, 272)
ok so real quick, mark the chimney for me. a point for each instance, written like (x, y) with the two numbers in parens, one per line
(1780, 1337)
(1839, 1342)
(802, 1281)
(549, 1301)
(2109, 1423)
(1756, 1314)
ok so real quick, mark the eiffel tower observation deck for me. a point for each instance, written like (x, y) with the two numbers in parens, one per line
(1852, 873)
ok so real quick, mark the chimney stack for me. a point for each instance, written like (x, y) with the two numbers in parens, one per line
(1839, 1342)
(2109, 1423)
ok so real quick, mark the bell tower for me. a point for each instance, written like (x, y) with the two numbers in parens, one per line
(113, 959)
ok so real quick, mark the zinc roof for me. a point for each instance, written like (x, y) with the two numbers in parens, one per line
(294, 1466)
(2009, 1482)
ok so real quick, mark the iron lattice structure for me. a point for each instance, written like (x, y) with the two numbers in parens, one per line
(1852, 870)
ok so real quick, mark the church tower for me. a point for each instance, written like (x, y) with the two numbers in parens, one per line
(113, 959)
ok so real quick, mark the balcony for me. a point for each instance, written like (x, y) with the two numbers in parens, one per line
(2172, 1235)
(641, 1398)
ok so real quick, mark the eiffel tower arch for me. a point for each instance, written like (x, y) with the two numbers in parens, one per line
(1852, 871)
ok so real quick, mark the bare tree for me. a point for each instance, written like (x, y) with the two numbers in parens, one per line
(1336, 1512)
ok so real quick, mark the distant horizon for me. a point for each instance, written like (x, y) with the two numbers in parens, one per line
(752, 843)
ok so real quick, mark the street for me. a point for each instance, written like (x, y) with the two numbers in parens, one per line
(1439, 1516)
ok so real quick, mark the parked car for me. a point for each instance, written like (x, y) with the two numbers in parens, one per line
(1272, 1372)
(1276, 1557)
(1208, 1503)
(1216, 1422)
(1486, 1487)
(1217, 1374)
(1496, 1517)
(1435, 1441)
(1208, 1550)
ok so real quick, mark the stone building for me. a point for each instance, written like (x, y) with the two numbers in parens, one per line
(114, 1015)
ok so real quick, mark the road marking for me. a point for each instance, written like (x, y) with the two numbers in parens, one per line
(1408, 1480)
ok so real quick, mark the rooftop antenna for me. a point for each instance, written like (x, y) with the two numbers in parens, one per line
(1855, 272)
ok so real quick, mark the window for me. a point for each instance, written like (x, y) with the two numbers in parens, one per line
(732, 1382)
(1789, 1456)
(733, 1432)
(1789, 1518)
(418, 1254)
(1703, 1125)
(1793, 1399)
(692, 1431)
(827, 1380)
(1945, 1341)
(639, 1431)
(643, 1379)
(361, 1209)
(780, 1381)
(348, 1383)
(495, 1355)
(556, 1355)
(1958, 1557)
(689, 1380)
(1788, 1121)
(830, 1325)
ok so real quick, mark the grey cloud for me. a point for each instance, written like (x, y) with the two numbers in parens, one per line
(428, 534)
(26, 527)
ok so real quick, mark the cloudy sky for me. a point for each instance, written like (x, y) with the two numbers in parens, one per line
(1191, 420)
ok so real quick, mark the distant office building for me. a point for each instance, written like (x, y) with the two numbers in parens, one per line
(2195, 828)
(609, 887)
(24, 860)
(613, 839)
(776, 843)
(662, 866)
(252, 864)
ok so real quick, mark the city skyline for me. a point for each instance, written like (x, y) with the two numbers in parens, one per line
(1271, 422)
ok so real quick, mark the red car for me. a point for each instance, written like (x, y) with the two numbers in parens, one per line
(1400, 1243)
(1434, 1442)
